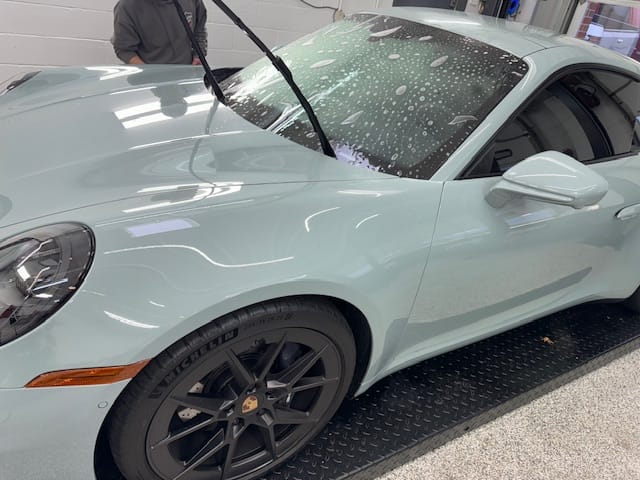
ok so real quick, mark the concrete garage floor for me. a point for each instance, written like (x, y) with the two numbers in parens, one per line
(586, 430)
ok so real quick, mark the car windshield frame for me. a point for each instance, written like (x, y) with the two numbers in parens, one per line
(393, 95)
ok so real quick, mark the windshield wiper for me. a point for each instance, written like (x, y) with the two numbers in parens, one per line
(279, 65)
(208, 74)
(277, 62)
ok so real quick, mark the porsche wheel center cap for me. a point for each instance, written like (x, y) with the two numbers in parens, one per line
(250, 404)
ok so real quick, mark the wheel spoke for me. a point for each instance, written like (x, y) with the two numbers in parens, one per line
(234, 432)
(172, 437)
(269, 434)
(209, 405)
(309, 383)
(213, 446)
(300, 367)
(290, 416)
(240, 373)
(268, 359)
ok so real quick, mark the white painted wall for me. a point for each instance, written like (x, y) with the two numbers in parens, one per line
(35, 34)
(472, 6)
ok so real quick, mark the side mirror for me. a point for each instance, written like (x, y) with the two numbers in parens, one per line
(551, 177)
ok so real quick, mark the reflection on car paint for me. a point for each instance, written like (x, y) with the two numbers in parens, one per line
(115, 72)
(530, 218)
(174, 101)
(129, 322)
(310, 217)
(360, 192)
(200, 191)
(361, 222)
(146, 229)
(167, 142)
(201, 254)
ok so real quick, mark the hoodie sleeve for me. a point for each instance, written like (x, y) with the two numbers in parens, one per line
(201, 26)
(125, 38)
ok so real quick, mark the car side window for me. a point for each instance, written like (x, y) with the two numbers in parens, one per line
(590, 115)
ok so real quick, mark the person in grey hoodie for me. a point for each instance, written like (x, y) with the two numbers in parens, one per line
(150, 31)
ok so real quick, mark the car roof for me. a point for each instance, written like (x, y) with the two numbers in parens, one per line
(516, 38)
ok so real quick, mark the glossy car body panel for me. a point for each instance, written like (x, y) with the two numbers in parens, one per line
(210, 256)
(560, 256)
(198, 213)
(54, 441)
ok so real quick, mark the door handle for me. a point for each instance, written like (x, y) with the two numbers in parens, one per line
(628, 212)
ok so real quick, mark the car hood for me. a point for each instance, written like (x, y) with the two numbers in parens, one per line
(85, 136)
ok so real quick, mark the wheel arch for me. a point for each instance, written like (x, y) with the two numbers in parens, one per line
(362, 336)
(104, 465)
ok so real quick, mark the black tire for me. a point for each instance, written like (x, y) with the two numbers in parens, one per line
(262, 381)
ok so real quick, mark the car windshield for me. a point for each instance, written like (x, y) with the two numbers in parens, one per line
(392, 95)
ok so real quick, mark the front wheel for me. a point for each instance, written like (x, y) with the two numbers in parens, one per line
(237, 397)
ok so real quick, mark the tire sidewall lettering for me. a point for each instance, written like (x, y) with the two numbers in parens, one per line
(192, 358)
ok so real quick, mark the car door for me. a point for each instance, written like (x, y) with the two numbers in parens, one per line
(491, 268)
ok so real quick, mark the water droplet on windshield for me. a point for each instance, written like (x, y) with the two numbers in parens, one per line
(440, 61)
(323, 63)
(385, 33)
(401, 90)
(394, 56)
(352, 118)
(425, 39)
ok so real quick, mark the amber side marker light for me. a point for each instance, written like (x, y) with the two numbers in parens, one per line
(87, 376)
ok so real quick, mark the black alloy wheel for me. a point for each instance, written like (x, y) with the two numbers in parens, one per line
(237, 397)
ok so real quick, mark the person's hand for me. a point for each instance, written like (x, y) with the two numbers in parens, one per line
(136, 60)
(196, 61)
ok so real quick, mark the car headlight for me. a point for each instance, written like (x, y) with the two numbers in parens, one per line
(39, 271)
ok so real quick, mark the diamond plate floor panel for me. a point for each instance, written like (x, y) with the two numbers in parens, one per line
(429, 404)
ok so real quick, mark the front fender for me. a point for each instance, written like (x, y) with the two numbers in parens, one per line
(160, 275)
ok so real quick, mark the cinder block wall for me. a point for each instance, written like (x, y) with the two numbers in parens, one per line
(36, 34)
